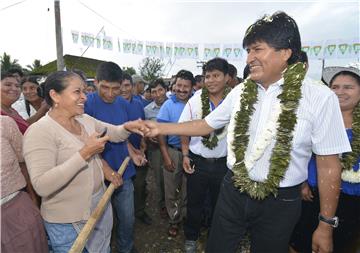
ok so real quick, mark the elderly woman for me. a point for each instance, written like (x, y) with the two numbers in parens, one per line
(32, 107)
(61, 151)
(345, 82)
(10, 93)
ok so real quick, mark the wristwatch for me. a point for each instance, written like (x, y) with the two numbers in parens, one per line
(334, 222)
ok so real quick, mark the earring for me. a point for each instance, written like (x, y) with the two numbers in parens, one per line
(56, 105)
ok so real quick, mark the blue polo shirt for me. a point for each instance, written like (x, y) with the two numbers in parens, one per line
(136, 112)
(346, 187)
(143, 101)
(115, 113)
(170, 112)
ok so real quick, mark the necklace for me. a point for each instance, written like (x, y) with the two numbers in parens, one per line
(285, 125)
(349, 160)
(211, 141)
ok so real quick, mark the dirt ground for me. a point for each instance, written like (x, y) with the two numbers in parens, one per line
(154, 238)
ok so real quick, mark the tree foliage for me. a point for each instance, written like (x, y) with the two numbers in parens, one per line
(129, 70)
(8, 63)
(151, 68)
(36, 64)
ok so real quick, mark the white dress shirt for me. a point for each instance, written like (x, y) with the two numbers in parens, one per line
(319, 129)
(192, 111)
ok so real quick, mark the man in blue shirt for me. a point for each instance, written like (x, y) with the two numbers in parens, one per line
(106, 105)
(174, 179)
(136, 146)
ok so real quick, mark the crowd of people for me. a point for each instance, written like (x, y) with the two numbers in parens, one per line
(273, 155)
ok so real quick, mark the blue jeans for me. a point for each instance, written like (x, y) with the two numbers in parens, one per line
(123, 204)
(62, 236)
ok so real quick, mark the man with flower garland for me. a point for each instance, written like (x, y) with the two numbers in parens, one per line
(204, 158)
(277, 119)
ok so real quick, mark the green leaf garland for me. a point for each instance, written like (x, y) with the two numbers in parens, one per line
(348, 161)
(280, 158)
(210, 141)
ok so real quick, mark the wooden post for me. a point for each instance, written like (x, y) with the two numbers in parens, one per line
(82, 238)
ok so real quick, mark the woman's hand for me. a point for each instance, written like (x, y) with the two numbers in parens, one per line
(94, 145)
(112, 176)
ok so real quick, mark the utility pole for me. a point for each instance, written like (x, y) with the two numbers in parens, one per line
(59, 45)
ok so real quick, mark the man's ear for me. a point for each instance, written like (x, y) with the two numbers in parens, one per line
(286, 54)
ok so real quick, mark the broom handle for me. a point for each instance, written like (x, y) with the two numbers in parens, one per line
(80, 241)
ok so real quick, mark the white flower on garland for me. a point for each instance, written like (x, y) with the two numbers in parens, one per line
(264, 138)
(351, 176)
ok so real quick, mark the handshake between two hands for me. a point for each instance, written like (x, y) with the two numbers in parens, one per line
(145, 128)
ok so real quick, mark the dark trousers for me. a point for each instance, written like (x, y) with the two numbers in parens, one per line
(346, 236)
(205, 180)
(140, 190)
(269, 221)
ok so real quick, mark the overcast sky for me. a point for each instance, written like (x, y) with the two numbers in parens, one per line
(28, 31)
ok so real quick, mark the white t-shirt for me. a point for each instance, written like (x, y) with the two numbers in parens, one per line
(192, 111)
(20, 107)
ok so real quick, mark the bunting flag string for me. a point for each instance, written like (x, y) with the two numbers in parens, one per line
(328, 49)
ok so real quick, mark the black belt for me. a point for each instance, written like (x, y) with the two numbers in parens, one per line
(208, 160)
(174, 147)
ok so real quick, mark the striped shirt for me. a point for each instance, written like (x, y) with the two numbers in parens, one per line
(319, 129)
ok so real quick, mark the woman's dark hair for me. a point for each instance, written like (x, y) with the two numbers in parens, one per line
(345, 73)
(186, 75)
(279, 31)
(30, 79)
(216, 64)
(57, 81)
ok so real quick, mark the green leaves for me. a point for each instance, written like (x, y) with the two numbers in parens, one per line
(280, 158)
(211, 140)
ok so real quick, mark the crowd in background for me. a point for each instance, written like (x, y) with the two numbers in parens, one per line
(63, 140)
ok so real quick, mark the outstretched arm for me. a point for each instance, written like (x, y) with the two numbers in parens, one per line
(190, 128)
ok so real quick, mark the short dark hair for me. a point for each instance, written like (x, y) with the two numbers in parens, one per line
(199, 78)
(345, 73)
(16, 70)
(279, 31)
(186, 75)
(109, 71)
(57, 81)
(157, 82)
(216, 64)
(126, 76)
(232, 71)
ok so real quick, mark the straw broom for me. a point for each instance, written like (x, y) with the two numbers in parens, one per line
(82, 238)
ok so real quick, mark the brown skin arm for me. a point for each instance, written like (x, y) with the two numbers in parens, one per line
(185, 140)
(29, 188)
(168, 163)
(190, 128)
(39, 114)
(329, 179)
